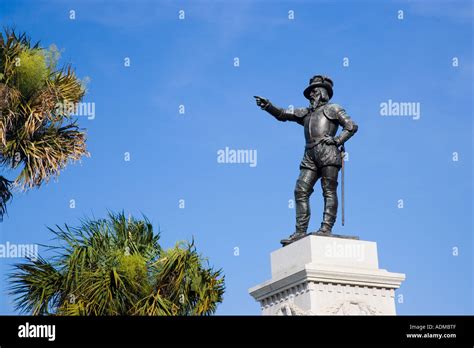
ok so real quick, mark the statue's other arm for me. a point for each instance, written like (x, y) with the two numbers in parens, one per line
(336, 112)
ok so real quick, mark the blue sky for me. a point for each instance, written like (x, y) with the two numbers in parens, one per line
(174, 156)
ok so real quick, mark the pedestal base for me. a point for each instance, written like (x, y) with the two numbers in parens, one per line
(321, 275)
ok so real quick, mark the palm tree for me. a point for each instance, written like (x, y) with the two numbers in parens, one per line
(36, 134)
(115, 266)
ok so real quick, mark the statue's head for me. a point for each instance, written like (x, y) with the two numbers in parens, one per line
(318, 95)
(319, 89)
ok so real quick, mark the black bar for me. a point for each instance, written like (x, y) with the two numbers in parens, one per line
(225, 330)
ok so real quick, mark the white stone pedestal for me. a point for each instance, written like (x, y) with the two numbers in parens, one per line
(320, 275)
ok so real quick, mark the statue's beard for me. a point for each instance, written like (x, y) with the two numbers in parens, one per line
(315, 102)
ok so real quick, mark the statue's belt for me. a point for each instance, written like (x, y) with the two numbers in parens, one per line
(313, 142)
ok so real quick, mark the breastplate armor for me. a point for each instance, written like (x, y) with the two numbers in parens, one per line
(317, 125)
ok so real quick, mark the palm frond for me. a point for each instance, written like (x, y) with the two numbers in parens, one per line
(48, 153)
(37, 286)
(5, 195)
(115, 266)
(37, 133)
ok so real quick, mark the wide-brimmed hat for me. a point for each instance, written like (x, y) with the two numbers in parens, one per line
(319, 81)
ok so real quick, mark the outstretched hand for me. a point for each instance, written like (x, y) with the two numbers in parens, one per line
(262, 102)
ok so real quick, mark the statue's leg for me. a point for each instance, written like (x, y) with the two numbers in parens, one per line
(329, 176)
(303, 190)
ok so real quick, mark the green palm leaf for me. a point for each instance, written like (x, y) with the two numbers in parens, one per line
(36, 129)
(115, 266)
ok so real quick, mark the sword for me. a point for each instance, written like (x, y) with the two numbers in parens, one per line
(343, 151)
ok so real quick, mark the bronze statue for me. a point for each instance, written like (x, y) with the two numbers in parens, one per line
(322, 157)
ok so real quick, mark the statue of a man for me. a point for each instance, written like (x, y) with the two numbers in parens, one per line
(322, 156)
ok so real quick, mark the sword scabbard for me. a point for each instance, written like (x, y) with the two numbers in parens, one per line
(342, 186)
